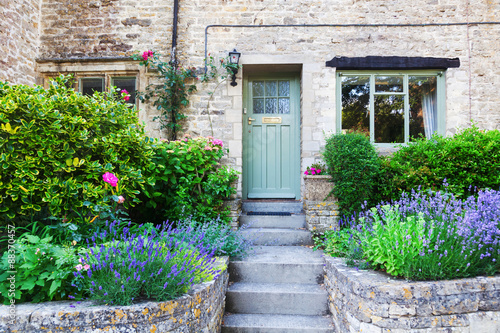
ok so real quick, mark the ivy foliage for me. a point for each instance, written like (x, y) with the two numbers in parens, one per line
(170, 94)
(55, 144)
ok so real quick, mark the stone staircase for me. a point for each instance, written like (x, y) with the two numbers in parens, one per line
(279, 287)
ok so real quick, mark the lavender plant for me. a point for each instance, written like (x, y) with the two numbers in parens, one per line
(159, 265)
(434, 235)
(217, 236)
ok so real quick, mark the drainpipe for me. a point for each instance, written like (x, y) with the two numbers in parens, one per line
(173, 57)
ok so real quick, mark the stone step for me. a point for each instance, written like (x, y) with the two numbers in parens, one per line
(277, 298)
(292, 206)
(279, 264)
(278, 236)
(267, 221)
(269, 323)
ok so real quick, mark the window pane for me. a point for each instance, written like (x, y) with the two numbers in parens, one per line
(271, 105)
(89, 85)
(258, 105)
(356, 103)
(284, 105)
(284, 88)
(388, 83)
(128, 84)
(271, 88)
(258, 88)
(389, 119)
(423, 106)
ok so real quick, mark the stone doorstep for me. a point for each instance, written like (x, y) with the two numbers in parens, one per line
(277, 298)
(278, 323)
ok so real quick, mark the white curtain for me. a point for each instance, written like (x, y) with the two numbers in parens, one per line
(429, 109)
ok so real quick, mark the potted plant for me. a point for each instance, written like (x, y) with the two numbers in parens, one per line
(318, 184)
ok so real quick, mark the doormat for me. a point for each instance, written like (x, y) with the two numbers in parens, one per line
(270, 213)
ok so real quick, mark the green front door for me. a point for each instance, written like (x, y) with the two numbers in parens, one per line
(271, 137)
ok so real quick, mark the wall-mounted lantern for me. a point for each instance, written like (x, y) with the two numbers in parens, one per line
(234, 58)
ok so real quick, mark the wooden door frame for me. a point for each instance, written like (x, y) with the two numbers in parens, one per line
(298, 119)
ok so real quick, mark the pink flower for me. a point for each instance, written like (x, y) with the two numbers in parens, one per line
(121, 199)
(79, 267)
(217, 142)
(318, 171)
(306, 172)
(109, 178)
(125, 95)
(208, 148)
(87, 266)
(147, 54)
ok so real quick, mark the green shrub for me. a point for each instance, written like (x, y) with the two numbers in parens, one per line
(354, 166)
(55, 145)
(391, 240)
(44, 272)
(186, 179)
(469, 158)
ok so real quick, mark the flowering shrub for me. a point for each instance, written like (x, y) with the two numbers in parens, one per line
(185, 179)
(57, 145)
(44, 271)
(434, 236)
(160, 266)
(316, 169)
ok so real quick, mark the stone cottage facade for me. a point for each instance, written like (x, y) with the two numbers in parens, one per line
(392, 68)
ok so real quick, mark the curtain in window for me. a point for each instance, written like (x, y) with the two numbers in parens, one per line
(429, 108)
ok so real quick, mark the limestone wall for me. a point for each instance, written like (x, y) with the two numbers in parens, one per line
(200, 310)
(115, 28)
(19, 40)
(374, 302)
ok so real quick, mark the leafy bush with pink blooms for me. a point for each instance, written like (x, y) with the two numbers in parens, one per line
(56, 143)
(185, 179)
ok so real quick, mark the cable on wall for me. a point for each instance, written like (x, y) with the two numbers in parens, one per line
(362, 25)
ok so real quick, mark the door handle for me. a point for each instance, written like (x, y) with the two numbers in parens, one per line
(250, 120)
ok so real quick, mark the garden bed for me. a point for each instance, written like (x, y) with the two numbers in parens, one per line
(371, 301)
(200, 310)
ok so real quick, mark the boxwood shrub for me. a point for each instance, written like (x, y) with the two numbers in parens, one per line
(355, 168)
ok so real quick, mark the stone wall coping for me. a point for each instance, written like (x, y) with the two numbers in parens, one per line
(371, 284)
(196, 309)
(317, 177)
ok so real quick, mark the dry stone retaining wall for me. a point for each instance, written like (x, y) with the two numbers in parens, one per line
(373, 302)
(200, 310)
